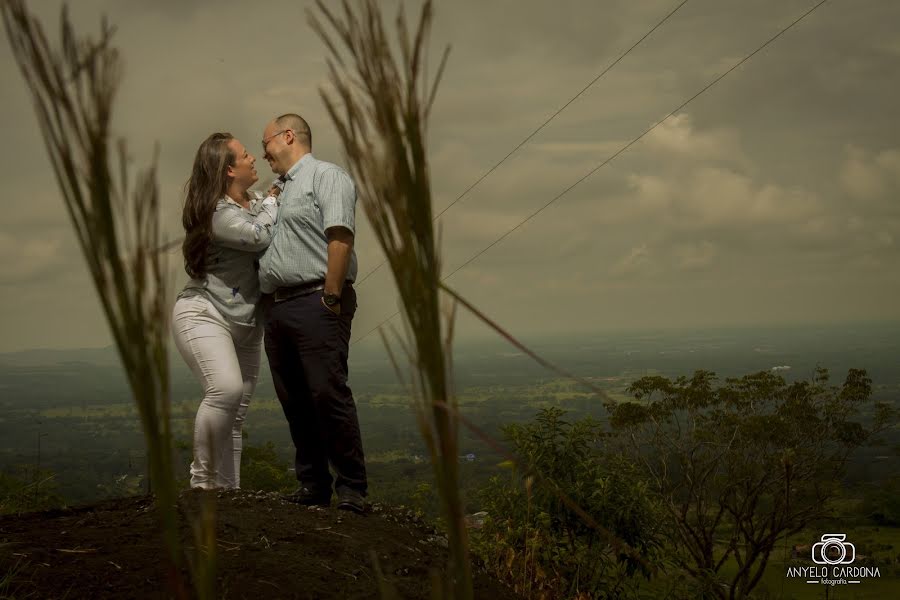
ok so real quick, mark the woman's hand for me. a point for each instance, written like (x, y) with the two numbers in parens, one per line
(274, 191)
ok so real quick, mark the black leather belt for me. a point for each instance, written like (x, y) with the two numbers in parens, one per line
(286, 293)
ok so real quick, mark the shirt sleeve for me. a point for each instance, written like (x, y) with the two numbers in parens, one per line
(241, 230)
(336, 194)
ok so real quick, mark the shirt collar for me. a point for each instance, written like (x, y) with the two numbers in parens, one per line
(229, 200)
(292, 172)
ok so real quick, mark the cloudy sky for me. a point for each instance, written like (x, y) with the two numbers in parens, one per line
(771, 199)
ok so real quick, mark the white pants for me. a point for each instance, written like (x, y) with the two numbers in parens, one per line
(225, 359)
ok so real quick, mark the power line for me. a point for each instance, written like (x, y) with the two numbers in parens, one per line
(374, 329)
(484, 176)
(613, 156)
(544, 124)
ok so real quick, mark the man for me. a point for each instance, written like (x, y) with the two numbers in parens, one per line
(309, 268)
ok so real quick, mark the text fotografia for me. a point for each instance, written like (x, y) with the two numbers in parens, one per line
(833, 557)
(833, 575)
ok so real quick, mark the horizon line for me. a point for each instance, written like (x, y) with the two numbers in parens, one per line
(577, 334)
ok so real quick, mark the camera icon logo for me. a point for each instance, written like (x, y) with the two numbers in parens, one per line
(833, 550)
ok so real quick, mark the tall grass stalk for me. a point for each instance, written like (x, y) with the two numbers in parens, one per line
(380, 105)
(116, 222)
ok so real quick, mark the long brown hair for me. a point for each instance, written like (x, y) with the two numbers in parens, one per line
(208, 182)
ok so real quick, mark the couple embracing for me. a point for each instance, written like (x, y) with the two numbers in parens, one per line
(279, 267)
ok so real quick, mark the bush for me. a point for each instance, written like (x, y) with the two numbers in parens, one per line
(261, 469)
(28, 490)
(535, 540)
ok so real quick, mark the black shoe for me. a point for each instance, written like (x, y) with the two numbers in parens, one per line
(351, 500)
(307, 497)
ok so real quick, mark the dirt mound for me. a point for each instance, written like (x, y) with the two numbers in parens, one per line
(267, 548)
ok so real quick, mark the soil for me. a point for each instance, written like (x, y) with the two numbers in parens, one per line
(267, 548)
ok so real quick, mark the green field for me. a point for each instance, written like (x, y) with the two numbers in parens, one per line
(79, 424)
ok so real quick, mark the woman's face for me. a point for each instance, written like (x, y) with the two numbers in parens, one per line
(243, 171)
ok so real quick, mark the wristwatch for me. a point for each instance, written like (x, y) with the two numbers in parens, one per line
(331, 299)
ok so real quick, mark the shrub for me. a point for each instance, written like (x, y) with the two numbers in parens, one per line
(534, 539)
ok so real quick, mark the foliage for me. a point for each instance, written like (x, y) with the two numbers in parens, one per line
(262, 469)
(424, 501)
(117, 226)
(380, 109)
(537, 543)
(881, 503)
(8, 579)
(29, 490)
(122, 485)
(741, 466)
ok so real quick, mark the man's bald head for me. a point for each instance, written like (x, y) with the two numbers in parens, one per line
(286, 139)
(298, 125)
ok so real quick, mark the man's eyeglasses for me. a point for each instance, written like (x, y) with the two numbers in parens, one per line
(266, 141)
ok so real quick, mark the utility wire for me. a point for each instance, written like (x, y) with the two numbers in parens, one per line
(613, 156)
(544, 124)
(172, 245)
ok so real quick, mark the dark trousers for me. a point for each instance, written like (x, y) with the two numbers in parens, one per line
(307, 346)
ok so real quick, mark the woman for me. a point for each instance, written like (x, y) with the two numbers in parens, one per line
(217, 318)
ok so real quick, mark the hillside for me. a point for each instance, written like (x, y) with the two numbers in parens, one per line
(267, 549)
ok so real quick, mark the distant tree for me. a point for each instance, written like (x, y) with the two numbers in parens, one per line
(535, 541)
(881, 502)
(739, 467)
(262, 469)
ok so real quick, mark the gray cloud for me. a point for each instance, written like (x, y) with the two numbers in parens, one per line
(771, 198)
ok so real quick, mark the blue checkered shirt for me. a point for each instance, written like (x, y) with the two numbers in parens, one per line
(316, 195)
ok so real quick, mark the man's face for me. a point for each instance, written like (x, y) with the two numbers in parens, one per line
(244, 168)
(275, 147)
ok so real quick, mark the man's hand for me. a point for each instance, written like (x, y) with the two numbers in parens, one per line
(336, 309)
